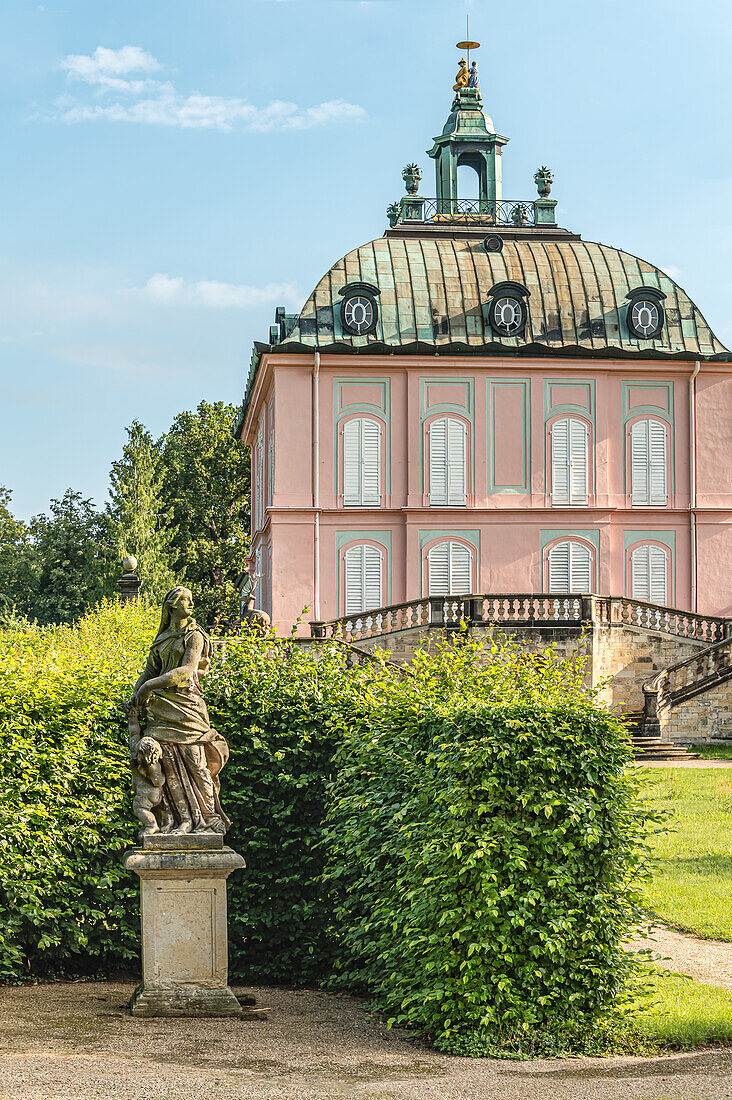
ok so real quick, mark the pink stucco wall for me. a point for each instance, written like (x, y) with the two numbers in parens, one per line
(508, 408)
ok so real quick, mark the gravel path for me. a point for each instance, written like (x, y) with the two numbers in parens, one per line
(75, 1041)
(705, 960)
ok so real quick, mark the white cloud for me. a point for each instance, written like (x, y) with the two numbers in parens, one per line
(107, 68)
(174, 290)
(671, 270)
(157, 102)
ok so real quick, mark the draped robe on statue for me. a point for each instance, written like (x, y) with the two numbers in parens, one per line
(177, 717)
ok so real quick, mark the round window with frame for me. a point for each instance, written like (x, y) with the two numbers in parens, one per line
(645, 318)
(644, 314)
(507, 315)
(358, 314)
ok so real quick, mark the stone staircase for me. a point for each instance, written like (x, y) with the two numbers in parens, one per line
(648, 747)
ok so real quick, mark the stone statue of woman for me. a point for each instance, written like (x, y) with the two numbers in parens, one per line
(168, 699)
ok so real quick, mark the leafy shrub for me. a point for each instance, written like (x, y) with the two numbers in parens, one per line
(283, 709)
(485, 844)
(66, 902)
(462, 843)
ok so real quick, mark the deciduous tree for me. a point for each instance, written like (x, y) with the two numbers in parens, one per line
(141, 523)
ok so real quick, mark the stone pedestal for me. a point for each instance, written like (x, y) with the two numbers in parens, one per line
(184, 930)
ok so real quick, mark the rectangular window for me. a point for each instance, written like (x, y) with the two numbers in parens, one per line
(649, 568)
(570, 568)
(449, 570)
(363, 568)
(270, 452)
(569, 462)
(648, 463)
(447, 447)
(362, 463)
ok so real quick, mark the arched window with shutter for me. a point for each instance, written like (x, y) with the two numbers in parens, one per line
(648, 463)
(447, 457)
(649, 573)
(569, 460)
(362, 463)
(449, 569)
(570, 567)
(362, 567)
(270, 452)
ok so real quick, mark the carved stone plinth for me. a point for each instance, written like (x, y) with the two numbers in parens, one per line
(184, 930)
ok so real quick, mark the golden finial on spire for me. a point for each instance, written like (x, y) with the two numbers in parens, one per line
(467, 77)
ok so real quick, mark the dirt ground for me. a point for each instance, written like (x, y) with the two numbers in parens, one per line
(75, 1041)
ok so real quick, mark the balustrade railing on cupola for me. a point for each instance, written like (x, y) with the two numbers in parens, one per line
(524, 609)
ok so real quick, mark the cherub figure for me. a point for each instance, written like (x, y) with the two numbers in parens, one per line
(462, 78)
(146, 758)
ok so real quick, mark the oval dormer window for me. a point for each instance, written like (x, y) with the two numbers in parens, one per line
(506, 310)
(359, 310)
(645, 312)
(507, 316)
(645, 318)
(359, 314)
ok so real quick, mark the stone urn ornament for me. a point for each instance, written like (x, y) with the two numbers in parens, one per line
(393, 211)
(411, 175)
(543, 178)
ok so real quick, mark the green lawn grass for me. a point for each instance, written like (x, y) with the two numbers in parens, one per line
(692, 882)
(714, 752)
(682, 1013)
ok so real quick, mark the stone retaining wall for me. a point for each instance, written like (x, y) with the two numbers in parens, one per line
(705, 719)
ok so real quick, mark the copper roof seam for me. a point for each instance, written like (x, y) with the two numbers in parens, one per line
(550, 266)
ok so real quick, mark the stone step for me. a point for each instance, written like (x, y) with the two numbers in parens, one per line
(675, 755)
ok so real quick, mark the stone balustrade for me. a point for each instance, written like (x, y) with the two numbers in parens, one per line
(529, 609)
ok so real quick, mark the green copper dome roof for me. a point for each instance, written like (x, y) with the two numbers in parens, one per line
(434, 290)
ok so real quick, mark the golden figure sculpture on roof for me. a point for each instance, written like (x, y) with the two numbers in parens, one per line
(462, 78)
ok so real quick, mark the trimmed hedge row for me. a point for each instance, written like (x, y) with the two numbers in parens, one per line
(464, 844)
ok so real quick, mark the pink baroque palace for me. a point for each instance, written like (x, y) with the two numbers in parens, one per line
(480, 401)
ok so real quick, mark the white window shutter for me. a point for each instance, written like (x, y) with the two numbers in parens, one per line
(371, 578)
(438, 569)
(657, 463)
(648, 463)
(658, 569)
(363, 571)
(639, 463)
(260, 477)
(570, 567)
(559, 568)
(449, 570)
(352, 462)
(577, 462)
(569, 462)
(580, 568)
(438, 462)
(456, 480)
(649, 569)
(460, 570)
(270, 453)
(560, 463)
(371, 463)
(362, 463)
(447, 446)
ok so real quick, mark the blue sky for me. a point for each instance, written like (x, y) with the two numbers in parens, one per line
(172, 170)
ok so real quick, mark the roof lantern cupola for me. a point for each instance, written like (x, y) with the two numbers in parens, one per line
(468, 138)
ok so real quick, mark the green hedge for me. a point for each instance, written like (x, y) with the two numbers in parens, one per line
(463, 844)
(66, 903)
(283, 711)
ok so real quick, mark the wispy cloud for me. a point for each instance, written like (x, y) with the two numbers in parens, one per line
(156, 102)
(175, 291)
